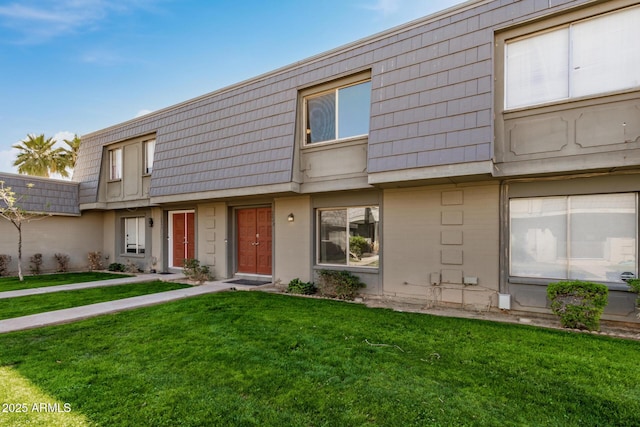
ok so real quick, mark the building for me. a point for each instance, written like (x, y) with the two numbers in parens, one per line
(469, 158)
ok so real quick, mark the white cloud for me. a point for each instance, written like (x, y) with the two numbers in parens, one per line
(7, 157)
(143, 113)
(36, 21)
(385, 7)
(61, 136)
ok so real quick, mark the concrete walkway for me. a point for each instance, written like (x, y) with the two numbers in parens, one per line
(84, 312)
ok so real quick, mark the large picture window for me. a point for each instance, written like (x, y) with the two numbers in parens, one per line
(134, 235)
(338, 114)
(348, 236)
(591, 237)
(588, 57)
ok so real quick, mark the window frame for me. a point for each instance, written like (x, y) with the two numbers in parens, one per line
(327, 88)
(569, 240)
(347, 263)
(140, 239)
(541, 27)
(148, 145)
(115, 164)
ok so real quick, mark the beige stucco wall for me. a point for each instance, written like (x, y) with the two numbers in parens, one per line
(211, 237)
(442, 234)
(74, 236)
(292, 240)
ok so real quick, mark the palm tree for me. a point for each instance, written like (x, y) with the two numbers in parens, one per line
(36, 156)
(39, 157)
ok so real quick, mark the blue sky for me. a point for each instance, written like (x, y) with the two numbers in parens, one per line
(77, 66)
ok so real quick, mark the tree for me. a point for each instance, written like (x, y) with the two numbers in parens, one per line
(11, 211)
(38, 156)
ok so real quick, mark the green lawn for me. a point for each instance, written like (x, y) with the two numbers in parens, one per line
(13, 283)
(32, 304)
(252, 358)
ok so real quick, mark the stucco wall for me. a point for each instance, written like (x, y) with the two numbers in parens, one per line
(436, 238)
(292, 240)
(211, 237)
(74, 236)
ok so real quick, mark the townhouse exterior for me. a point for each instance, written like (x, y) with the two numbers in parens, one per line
(469, 158)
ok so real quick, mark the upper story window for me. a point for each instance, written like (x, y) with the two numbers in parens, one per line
(115, 164)
(149, 151)
(584, 58)
(339, 113)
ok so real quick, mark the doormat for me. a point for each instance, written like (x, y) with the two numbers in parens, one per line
(247, 282)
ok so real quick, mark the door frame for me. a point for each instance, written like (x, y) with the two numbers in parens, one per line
(235, 235)
(170, 235)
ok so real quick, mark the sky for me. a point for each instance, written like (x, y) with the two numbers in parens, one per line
(78, 66)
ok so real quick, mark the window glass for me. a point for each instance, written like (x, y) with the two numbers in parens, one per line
(321, 118)
(354, 110)
(605, 53)
(134, 235)
(342, 113)
(537, 69)
(149, 151)
(589, 57)
(589, 237)
(349, 236)
(115, 164)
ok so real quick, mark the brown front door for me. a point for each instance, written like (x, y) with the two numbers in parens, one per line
(254, 240)
(184, 238)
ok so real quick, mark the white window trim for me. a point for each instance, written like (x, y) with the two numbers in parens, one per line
(115, 164)
(140, 246)
(333, 87)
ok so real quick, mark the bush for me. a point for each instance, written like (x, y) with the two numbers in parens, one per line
(95, 261)
(4, 264)
(358, 245)
(132, 267)
(35, 264)
(297, 286)
(339, 284)
(634, 284)
(196, 272)
(117, 267)
(62, 262)
(579, 304)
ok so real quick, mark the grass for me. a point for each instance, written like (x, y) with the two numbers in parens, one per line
(251, 358)
(32, 304)
(45, 280)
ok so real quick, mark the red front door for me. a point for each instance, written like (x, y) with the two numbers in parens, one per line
(254, 240)
(183, 237)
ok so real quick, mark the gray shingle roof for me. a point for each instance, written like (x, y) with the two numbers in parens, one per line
(431, 105)
(46, 195)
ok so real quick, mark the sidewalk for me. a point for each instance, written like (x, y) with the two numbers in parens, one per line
(84, 312)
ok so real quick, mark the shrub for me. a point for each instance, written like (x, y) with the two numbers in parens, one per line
(131, 267)
(35, 264)
(634, 284)
(196, 272)
(579, 304)
(297, 286)
(62, 262)
(339, 284)
(358, 245)
(117, 267)
(95, 261)
(4, 264)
